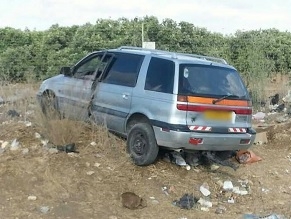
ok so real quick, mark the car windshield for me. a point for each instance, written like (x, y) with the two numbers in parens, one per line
(212, 81)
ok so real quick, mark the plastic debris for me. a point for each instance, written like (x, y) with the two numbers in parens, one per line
(14, 145)
(270, 216)
(186, 202)
(247, 157)
(227, 185)
(205, 203)
(179, 160)
(69, 148)
(259, 116)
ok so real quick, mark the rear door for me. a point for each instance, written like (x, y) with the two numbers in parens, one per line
(112, 97)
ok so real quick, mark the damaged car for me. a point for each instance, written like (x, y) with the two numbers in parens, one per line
(156, 99)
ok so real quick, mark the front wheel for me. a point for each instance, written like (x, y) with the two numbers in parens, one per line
(142, 145)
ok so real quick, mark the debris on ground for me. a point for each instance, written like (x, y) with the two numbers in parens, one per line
(247, 157)
(270, 216)
(132, 201)
(204, 189)
(187, 201)
(69, 148)
(259, 116)
(13, 113)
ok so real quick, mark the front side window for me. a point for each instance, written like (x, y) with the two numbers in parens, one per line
(88, 67)
(160, 75)
(124, 69)
(207, 80)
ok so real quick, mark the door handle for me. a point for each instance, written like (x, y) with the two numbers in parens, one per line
(125, 96)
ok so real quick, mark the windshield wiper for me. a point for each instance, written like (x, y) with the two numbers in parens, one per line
(224, 97)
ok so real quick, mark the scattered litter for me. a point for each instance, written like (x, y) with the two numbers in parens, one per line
(25, 151)
(165, 190)
(204, 209)
(282, 119)
(231, 200)
(227, 185)
(220, 210)
(53, 151)
(186, 202)
(90, 173)
(247, 157)
(155, 202)
(4, 145)
(259, 116)
(44, 209)
(97, 164)
(69, 148)
(179, 160)
(27, 123)
(205, 203)
(31, 198)
(270, 216)
(44, 142)
(37, 135)
(13, 113)
(132, 201)
(204, 189)
(14, 145)
(93, 143)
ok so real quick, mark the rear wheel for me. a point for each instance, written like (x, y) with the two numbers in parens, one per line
(142, 145)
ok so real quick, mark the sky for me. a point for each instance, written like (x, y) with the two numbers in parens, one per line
(223, 16)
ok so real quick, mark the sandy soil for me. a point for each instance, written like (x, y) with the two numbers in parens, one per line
(89, 184)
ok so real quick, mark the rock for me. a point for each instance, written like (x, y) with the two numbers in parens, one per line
(28, 124)
(205, 203)
(25, 151)
(14, 145)
(220, 210)
(155, 202)
(132, 201)
(281, 119)
(44, 209)
(93, 143)
(37, 135)
(204, 189)
(97, 164)
(89, 173)
(204, 209)
(4, 145)
(227, 185)
(31, 198)
(53, 151)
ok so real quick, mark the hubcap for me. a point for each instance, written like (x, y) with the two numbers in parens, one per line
(139, 144)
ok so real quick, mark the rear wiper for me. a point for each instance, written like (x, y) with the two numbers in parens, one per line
(224, 97)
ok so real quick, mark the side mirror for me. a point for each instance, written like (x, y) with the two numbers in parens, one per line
(66, 71)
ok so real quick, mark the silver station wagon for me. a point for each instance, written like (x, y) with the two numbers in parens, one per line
(156, 99)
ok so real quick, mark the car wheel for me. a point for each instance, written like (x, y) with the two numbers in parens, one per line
(49, 106)
(142, 145)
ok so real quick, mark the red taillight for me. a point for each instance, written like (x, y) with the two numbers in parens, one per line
(202, 108)
(195, 141)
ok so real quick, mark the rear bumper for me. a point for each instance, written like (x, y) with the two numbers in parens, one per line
(211, 141)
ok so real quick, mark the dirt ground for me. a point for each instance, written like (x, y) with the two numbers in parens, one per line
(39, 183)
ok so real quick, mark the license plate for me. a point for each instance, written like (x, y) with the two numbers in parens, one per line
(218, 115)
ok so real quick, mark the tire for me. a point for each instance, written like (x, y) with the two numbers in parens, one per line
(49, 106)
(142, 145)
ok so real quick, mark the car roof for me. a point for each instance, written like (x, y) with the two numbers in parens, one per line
(184, 58)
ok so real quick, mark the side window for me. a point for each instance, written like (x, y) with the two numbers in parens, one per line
(124, 69)
(88, 67)
(160, 75)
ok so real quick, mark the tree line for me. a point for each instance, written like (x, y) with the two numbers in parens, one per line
(35, 55)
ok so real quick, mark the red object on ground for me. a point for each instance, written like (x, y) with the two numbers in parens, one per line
(247, 157)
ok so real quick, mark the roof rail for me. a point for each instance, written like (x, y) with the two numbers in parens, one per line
(174, 54)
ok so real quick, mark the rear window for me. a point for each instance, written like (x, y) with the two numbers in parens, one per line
(212, 81)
